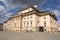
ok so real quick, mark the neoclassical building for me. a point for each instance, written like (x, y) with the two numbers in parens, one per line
(31, 19)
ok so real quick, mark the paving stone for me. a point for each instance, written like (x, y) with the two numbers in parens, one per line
(29, 36)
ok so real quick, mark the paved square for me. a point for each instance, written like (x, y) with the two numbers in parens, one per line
(29, 36)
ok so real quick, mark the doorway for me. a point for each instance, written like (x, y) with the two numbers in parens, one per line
(41, 29)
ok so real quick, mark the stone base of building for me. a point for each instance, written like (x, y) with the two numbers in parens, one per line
(35, 29)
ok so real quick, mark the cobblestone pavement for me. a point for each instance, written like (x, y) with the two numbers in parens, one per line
(29, 36)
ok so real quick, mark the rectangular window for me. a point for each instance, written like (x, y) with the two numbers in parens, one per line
(51, 21)
(27, 17)
(27, 23)
(31, 17)
(37, 21)
(45, 29)
(45, 23)
(44, 17)
(31, 23)
(24, 23)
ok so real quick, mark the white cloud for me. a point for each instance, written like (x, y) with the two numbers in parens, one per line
(7, 3)
(2, 8)
(3, 11)
(57, 12)
(4, 14)
(11, 5)
(59, 23)
(19, 3)
(8, 15)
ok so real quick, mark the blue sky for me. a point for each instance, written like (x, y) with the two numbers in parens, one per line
(11, 7)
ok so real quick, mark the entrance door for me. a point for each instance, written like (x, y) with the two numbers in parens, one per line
(41, 29)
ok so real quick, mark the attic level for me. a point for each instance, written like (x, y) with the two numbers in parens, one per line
(31, 9)
(27, 9)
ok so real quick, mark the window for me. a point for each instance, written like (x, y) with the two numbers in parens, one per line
(45, 23)
(44, 17)
(37, 21)
(31, 17)
(51, 21)
(45, 29)
(31, 23)
(27, 17)
(27, 23)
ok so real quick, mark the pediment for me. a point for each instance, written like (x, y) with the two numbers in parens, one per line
(28, 9)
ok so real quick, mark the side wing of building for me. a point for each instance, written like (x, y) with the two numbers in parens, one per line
(12, 24)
